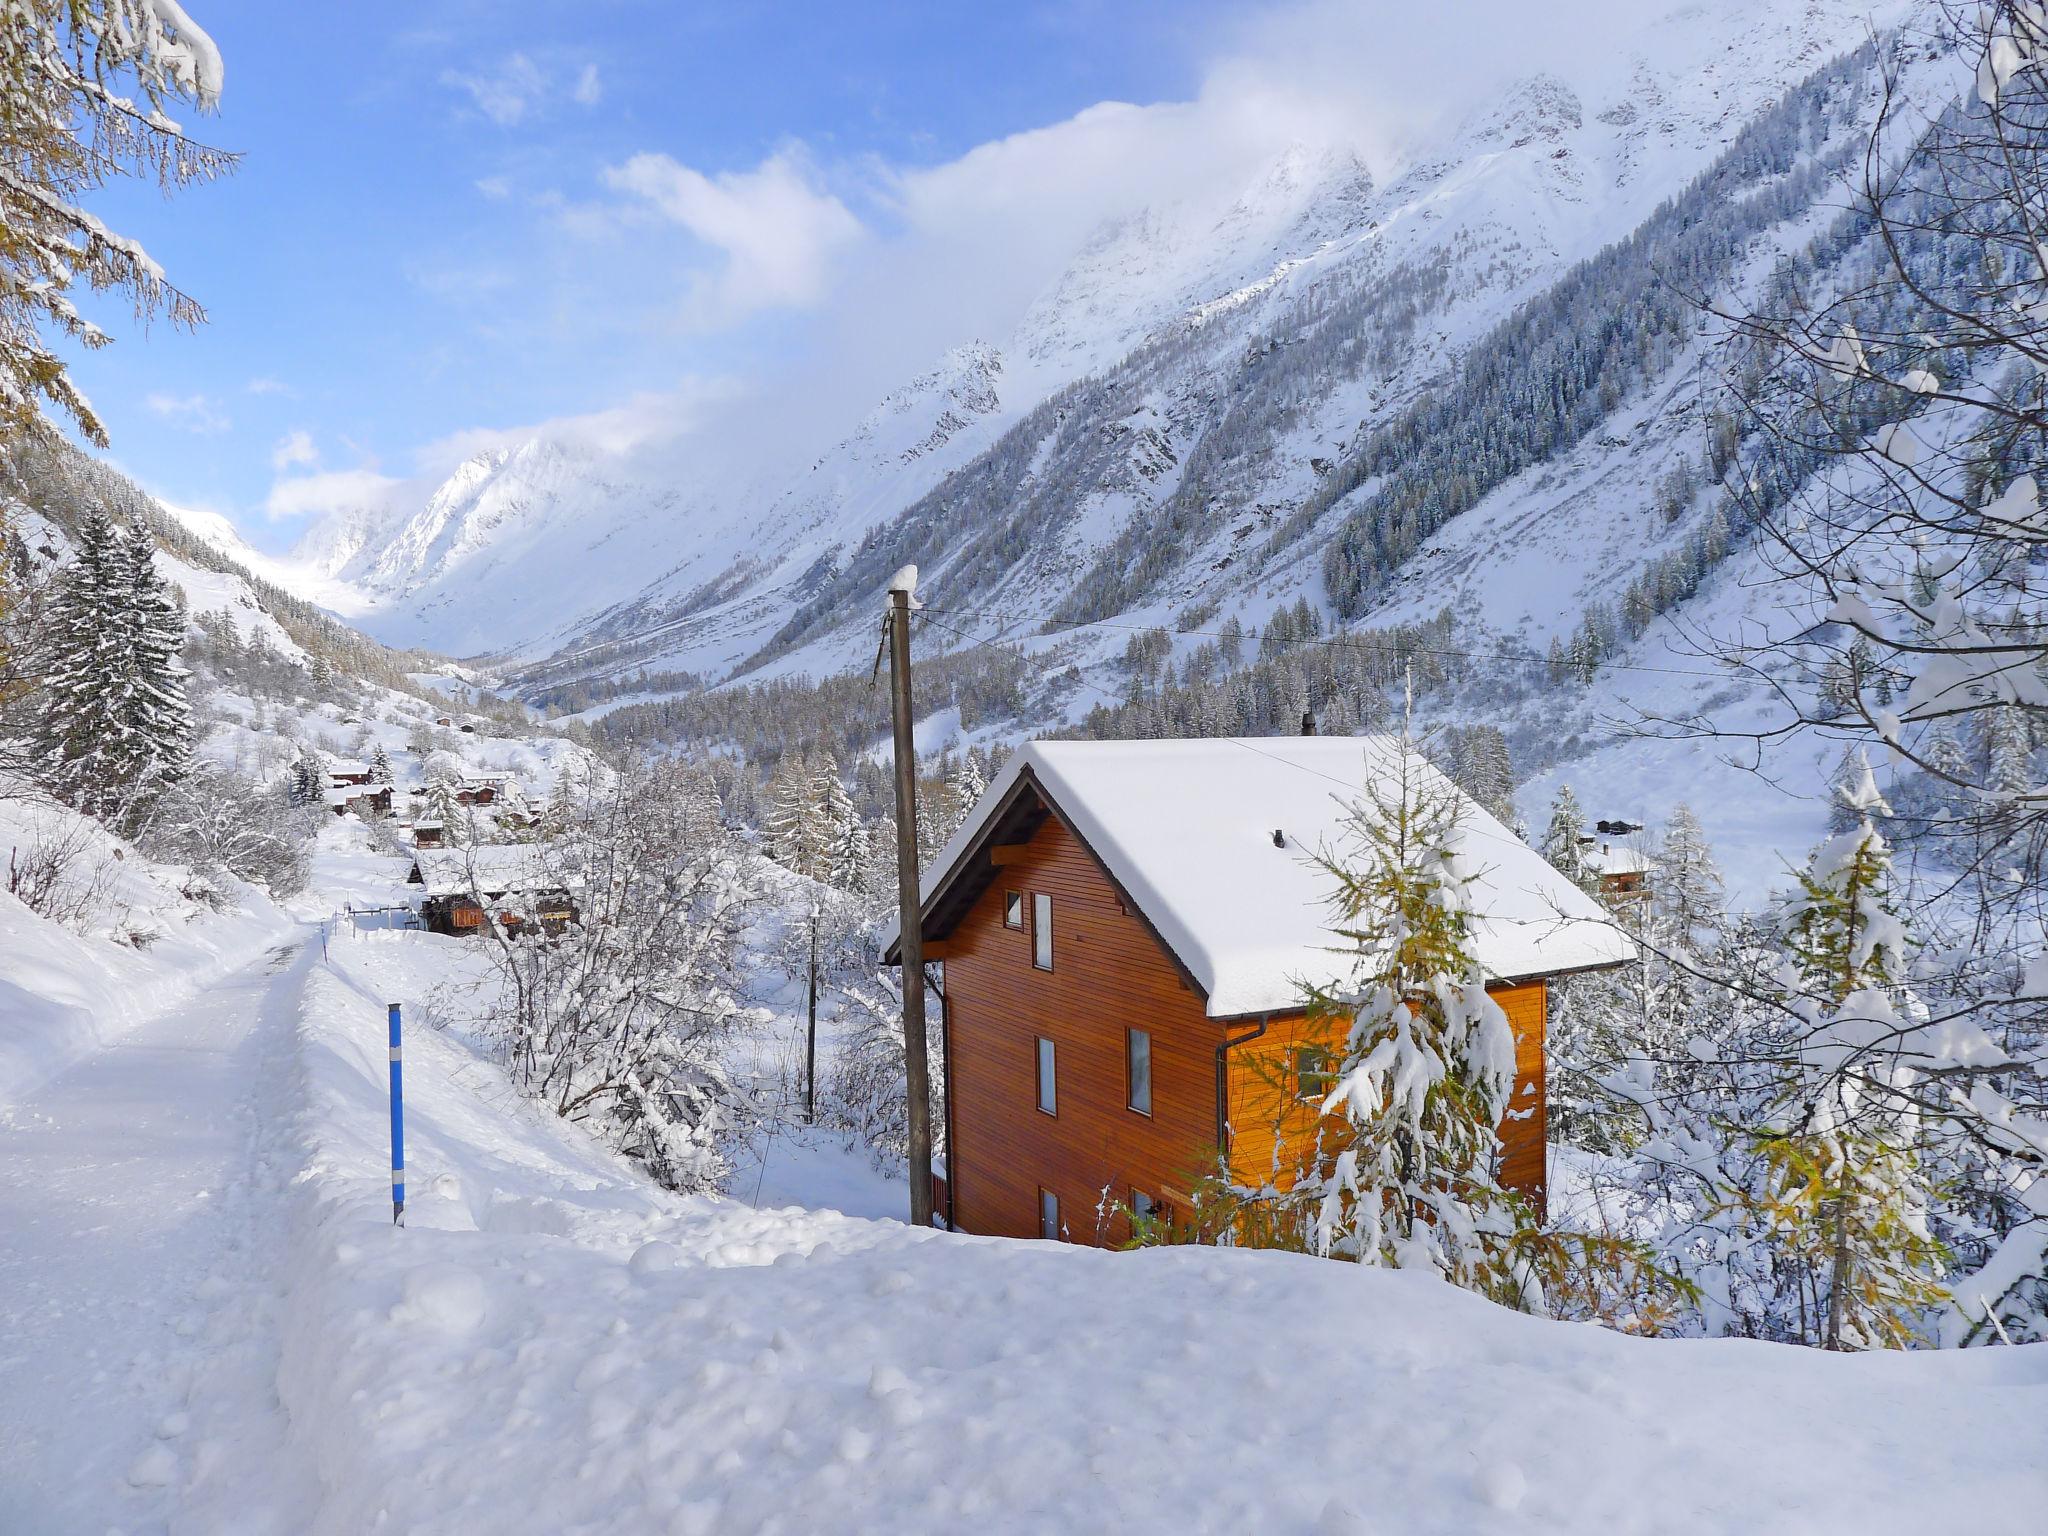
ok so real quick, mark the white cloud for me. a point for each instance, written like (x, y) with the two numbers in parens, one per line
(777, 227)
(516, 88)
(295, 450)
(335, 490)
(198, 414)
(270, 386)
(505, 93)
(496, 188)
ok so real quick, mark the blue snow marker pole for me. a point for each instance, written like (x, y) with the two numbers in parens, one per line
(397, 1127)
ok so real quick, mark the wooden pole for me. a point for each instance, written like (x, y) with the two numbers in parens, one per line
(910, 932)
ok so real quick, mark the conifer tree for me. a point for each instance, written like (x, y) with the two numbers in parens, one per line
(380, 766)
(82, 734)
(1687, 887)
(1561, 836)
(797, 831)
(307, 784)
(1429, 1062)
(159, 716)
(89, 87)
(1847, 1187)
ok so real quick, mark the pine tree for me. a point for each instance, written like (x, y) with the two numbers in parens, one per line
(380, 766)
(797, 829)
(1429, 1062)
(81, 738)
(442, 800)
(1687, 888)
(1561, 845)
(159, 716)
(1847, 1187)
(307, 785)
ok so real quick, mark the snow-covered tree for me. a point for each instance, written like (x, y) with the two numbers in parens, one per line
(1428, 1062)
(82, 733)
(380, 765)
(1847, 1187)
(1561, 843)
(159, 715)
(619, 1021)
(88, 87)
(307, 785)
(1687, 886)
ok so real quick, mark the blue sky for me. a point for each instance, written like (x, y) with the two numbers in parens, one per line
(422, 240)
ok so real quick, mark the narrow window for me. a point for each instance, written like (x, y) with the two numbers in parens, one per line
(1013, 909)
(1048, 1088)
(1312, 1075)
(1138, 1069)
(1041, 930)
(1048, 1215)
(1144, 1207)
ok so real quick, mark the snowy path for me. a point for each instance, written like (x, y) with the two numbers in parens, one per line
(141, 1264)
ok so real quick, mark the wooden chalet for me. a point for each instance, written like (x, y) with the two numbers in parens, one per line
(1123, 930)
(341, 773)
(364, 800)
(428, 834)
(1616, 860)
(459, 884)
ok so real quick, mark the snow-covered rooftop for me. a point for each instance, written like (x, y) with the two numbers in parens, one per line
(490, 868)
(1186, 828)
(1608, 856)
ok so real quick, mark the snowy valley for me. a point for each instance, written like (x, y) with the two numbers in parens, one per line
(1462, 847)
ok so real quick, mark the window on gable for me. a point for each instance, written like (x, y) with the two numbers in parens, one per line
(1138, 1070)
(1013, 909)
(1041, 930)
(1048, 1215)
(1048, 1084)
(1314, 1073)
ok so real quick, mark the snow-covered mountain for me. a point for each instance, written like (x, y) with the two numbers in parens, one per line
(1165, 424)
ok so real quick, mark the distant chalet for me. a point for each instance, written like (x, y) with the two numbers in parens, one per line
(1125, 930)
(459, 885)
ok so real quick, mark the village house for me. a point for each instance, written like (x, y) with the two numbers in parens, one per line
(344, 772)
(428, 834)
(1123, 931)
(360, 799)
(1613, 854)
(456, 885)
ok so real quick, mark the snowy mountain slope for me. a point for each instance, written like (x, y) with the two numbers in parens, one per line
(1188, 308)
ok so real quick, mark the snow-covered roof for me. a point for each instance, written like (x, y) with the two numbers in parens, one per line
(1186, 828)
(340, 765)
(1608, 857)
(490, 868)
(347, 794)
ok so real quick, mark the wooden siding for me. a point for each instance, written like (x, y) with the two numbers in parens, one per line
(1271, 1129)
(1109, 974)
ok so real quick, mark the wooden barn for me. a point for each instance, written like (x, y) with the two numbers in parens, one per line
(452, 880)
(1122, 931)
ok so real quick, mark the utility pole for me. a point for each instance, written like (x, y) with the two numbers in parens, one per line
(811, 1032)
(910, 931)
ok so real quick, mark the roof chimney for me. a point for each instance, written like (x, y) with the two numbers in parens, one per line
(1308, 722)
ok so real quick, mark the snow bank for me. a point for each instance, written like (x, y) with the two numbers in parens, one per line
(523, 1357)
(64, 994)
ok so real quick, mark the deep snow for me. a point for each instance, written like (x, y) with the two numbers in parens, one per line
(211, 1324)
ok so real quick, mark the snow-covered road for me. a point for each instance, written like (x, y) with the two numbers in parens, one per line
(141, 1264)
